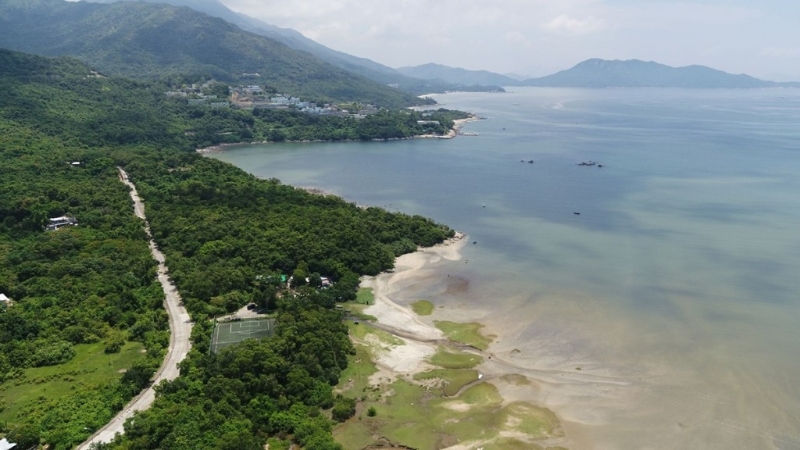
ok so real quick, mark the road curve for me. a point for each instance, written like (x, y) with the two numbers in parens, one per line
(180, 328)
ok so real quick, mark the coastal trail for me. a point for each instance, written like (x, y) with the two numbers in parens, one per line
(180, 328)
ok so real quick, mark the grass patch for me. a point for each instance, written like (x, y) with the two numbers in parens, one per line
(411, 415)
(531, 420)
(426, 418)
(455, 379)
(365, 296)
(422, 307)
(454, 360)
(90, 367)
(365, 332)
(465, 333)
(354, 380)
(511, 444)
(356, 310)
(516, 380)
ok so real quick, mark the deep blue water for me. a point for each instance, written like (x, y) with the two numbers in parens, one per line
(678, 279)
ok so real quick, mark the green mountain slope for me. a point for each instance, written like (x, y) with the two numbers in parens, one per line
(144, 40)
(360, 66)
(599, 73)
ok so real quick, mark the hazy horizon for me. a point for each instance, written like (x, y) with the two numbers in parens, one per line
(540, 37)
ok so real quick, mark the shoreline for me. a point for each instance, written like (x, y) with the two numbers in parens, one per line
(422, 339)
(450, 134)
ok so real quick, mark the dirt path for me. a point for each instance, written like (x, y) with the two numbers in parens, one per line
(180, 328)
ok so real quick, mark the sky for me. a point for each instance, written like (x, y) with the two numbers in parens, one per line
(540, 37)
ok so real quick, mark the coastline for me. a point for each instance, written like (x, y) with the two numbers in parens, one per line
(418, 339)
(450, 134)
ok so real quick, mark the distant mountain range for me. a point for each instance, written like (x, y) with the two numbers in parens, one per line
(293, 39)
(157, 41)
(599, 73)
(456, 75)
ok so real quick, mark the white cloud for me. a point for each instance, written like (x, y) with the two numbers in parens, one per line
(781, 52)
(510, 35)
(569, 25)
(517, 38)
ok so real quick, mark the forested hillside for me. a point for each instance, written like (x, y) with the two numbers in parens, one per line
(157, 41)
(91, 287)
(361, 66)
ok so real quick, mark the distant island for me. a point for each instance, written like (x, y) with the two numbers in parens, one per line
(600, 73)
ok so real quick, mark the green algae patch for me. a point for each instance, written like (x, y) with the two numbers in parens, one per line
(465, 333)
(452, 381)
(516, 380)
(420, 417)
(365, 296)
(441, 408)
(422, 307)
(454, 360)
(511, 444)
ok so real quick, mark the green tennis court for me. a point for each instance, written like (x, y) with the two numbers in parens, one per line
(230, 333)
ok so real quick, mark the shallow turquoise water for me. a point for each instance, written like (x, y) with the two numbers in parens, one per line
(675, 289)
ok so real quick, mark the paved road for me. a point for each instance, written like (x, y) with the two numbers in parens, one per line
(180, 328)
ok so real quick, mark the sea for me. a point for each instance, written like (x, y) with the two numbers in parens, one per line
(656, 299)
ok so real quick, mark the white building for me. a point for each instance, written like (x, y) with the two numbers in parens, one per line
(61, 222)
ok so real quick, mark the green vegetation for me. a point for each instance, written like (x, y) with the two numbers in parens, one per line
(357, 311)
(422, 307)
(91, 289)
(152, 41)
(365, 296)
(226, 234)
(411, 415)
(91, 366)
(381, 337)
(465, 333)
(453, 379)
(516, 380)
(454, 360)
(214, 126)
(427, 411)
(354, 379)
(244, 393)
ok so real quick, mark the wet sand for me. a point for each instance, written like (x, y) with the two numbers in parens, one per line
(520, 375)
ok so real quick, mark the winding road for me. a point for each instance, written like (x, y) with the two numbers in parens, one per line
(180, 328)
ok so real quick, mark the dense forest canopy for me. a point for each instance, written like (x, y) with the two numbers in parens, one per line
(63, 132)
